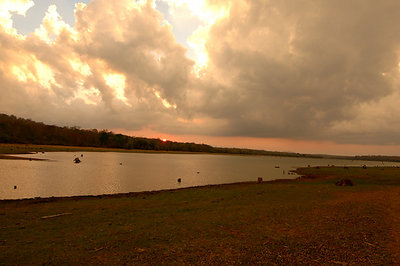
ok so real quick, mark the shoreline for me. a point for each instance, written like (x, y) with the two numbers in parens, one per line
(12, 157)
(142, 193)
(301, 172)
(7, 149)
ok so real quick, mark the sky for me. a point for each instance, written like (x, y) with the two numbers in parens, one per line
(303, 76)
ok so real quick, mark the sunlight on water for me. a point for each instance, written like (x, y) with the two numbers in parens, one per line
(110, 172)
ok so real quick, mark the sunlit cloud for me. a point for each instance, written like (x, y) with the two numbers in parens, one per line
(289, 69)
(7, 8)
(164, 101)
(207, 14)
(80, 67)
(52, 26)
(117, 82)
(202, 9)
(90, 96)
(45, 76)
(22, 74)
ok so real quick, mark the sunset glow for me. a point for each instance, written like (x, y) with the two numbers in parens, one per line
(274, 75)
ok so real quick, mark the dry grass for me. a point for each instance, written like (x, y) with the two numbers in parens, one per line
(299, 222)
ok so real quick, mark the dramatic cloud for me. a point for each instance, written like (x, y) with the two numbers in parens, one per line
(119, 65)
(301, 69)
(295, 69)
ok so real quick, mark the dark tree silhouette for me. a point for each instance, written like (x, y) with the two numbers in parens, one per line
(25, 131)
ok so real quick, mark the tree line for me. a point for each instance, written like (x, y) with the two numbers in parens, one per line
(25, 131)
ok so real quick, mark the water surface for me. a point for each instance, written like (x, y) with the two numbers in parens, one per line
(112, 172)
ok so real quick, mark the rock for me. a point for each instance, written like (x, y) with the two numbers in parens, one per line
(259, 180)
(344, 182)
(179, 180)
(77, 160)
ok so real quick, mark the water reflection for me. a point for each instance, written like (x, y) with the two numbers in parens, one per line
(110, 172)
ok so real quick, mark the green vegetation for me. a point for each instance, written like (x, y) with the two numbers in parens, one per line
(306, 221)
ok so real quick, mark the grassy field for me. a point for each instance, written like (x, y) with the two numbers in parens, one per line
(307, 221)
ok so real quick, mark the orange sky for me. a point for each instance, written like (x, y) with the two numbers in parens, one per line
(273, 144)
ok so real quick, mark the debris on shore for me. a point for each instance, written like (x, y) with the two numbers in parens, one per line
(55, 215)
(344, 182)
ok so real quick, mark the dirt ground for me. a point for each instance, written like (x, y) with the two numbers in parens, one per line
(306, 221)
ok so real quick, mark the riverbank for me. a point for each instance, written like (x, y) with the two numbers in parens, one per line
(8, 150)
(308, 221)
(32, 148)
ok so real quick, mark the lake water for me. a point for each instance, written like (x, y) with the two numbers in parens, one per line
(111, 172)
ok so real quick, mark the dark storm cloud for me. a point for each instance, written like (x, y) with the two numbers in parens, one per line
(297, 68)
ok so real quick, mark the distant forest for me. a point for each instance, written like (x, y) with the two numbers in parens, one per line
(25, 131)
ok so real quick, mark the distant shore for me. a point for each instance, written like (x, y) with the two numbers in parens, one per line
(9, 149)
(33, 148)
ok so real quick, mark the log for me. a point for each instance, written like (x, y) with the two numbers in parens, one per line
(55, 215)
